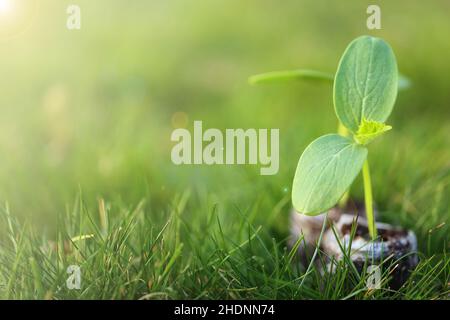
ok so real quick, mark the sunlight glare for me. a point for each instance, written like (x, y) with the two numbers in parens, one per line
(5, 6)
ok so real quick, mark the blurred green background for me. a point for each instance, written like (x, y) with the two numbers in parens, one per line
(91, 111)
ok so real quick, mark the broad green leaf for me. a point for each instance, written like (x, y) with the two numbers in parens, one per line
(369, 130)
(325, 171)
(366, 82)
(309, 74)
(299, 74)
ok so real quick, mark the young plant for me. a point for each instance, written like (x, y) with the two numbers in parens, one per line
(364, 93)
(314, 76)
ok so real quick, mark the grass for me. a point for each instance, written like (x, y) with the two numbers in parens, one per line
(85, 142)
(185, 254)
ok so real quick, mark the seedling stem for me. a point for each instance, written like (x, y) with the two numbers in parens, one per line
(368, 200)
(343, 131)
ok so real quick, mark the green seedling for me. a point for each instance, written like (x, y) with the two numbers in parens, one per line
(314, 76)
(364, 93)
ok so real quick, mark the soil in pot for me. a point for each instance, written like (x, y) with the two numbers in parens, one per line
(309, 227)
(395, 247)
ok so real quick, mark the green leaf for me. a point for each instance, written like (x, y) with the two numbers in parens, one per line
(369, 130)
(299, 74)
(308, 74)
(366, 82)
(325, 171)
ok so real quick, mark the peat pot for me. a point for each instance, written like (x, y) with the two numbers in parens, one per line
(394, 248)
